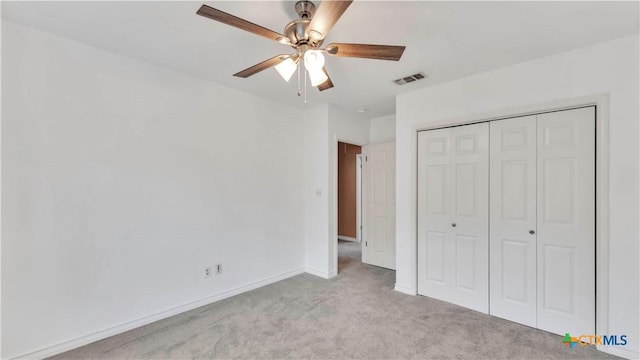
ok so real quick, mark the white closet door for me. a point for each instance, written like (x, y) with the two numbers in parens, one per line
(434, 213)
(566, 221)
(513, 217)
(453, 215)
(470, 223)
(379, 189)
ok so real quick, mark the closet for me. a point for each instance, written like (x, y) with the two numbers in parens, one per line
(506, 218)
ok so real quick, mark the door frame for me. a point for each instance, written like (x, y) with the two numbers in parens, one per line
(601, 102)
(333, 201)
(359, 197)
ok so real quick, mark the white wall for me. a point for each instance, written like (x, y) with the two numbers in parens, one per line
(0, 187)
(316, 170)
(122, 180)
(348, 126)
(610, 68)
(382, 129)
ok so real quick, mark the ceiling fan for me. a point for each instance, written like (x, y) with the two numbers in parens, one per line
(306, 36)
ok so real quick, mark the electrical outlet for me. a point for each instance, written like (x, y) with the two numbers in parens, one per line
(207, 272)
(219, 269)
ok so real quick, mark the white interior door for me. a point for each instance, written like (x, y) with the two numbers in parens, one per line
(470, 200)
(434, 213)
(379, 205)
(566, 221)
(513, 218)
(453, 210)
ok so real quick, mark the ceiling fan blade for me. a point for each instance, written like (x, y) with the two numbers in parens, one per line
(325, 17)
(223, 17)
(261, 66)
(381, 52)
(328, 84)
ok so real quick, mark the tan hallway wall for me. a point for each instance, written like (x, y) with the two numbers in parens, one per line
(347, 189)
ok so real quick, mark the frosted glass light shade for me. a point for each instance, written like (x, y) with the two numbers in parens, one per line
(286, 69)
(317, 76)
(313, 60)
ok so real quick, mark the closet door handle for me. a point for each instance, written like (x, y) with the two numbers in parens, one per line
(453, 224)
(531, 232)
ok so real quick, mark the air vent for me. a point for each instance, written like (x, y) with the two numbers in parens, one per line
(410, 78)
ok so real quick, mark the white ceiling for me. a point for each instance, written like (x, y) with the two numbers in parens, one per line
(447, 40)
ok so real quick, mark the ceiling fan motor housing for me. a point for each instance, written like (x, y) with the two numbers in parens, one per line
(296, 31)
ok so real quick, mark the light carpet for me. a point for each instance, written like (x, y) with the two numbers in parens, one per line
(356, 315)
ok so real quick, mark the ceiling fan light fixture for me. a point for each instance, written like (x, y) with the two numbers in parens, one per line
(313, 60)
(317, 76)
(286, 69)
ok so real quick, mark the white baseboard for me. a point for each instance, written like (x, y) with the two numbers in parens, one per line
(405, 290)
(347, 238)
(117, 329)
(320, 273)
(619, 351)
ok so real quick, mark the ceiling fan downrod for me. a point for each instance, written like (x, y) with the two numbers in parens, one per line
(296, 31)
(305, 9)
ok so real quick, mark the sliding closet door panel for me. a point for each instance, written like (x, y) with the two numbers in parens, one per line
(470, 216)
(513, 217)
(434, 214)
(566, 221)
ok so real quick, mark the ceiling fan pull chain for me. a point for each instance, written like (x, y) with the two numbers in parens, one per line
(299, 92)
(305, 89)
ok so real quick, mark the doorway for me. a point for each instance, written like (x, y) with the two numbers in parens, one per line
(349, 197)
